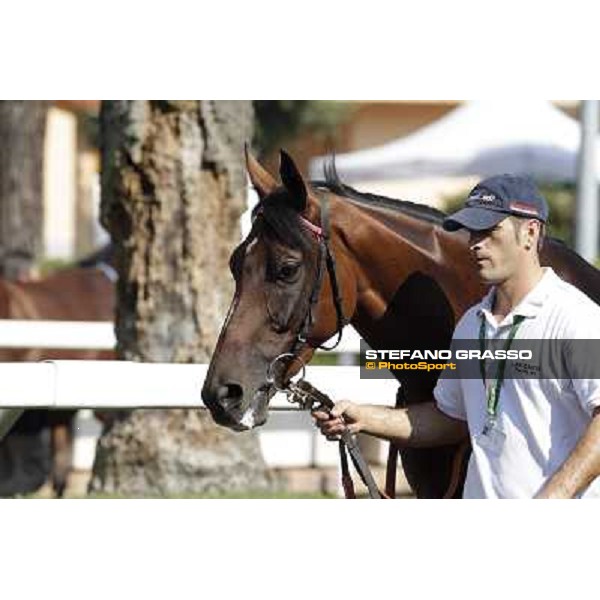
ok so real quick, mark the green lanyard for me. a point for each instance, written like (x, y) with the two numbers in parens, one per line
(493, 391)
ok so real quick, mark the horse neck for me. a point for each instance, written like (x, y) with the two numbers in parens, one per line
(387, 246)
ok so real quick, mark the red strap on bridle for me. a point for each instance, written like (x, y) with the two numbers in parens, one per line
(314, 229)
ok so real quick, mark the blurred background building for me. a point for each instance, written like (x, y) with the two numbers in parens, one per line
(71, 165)
(71, 180)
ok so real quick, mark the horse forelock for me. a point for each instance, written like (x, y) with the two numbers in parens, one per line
(275, 217)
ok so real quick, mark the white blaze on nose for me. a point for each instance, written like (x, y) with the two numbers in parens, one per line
(248, 419)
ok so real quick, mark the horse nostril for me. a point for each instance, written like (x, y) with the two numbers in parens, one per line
(230, 391)
(235, 391)
(230, 396)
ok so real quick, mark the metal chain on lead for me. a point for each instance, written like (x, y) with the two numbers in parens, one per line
(289, 388)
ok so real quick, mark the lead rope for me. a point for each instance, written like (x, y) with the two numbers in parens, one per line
(347, 483)
(310, 398)
(347, 445)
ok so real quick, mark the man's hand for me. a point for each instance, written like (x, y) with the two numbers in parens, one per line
(418, 426)
(345, 415)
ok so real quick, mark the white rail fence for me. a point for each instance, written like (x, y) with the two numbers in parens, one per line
(287, 440)
(94, 335)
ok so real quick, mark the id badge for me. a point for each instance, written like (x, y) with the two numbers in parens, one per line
(491, 438)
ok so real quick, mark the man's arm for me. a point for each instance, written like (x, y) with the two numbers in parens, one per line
(420, 425)
(580, 468)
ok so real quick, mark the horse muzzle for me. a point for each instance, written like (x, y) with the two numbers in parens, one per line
(227, 407)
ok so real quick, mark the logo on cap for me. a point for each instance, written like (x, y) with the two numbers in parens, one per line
(487, 198)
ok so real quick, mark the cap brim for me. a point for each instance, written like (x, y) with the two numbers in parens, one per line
(474, 218)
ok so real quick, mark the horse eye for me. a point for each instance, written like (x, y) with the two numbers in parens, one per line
(287, 272)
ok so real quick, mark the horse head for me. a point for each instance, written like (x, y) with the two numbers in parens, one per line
(283, 299)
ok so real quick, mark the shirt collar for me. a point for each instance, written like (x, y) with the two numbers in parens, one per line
(531, 304)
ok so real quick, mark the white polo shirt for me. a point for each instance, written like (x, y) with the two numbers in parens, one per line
(542, 419)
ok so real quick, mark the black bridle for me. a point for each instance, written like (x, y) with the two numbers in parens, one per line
(325, 261)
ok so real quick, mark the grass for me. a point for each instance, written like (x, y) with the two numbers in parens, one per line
(249, 495)
(217, 496)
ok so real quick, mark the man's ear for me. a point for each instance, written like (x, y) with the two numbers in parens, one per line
(292, 181)
(261, 179)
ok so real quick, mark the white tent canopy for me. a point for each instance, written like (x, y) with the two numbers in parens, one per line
(480, 138)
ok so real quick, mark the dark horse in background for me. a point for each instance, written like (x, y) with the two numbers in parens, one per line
(403, 283)
(83, 293)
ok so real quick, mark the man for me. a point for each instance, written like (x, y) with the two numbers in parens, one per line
(531, 437)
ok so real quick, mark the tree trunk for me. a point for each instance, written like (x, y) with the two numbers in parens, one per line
(23, 454)
(173, 189)
(22, 129)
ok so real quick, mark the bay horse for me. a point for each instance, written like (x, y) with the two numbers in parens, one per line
(85, 292)
(400, 279)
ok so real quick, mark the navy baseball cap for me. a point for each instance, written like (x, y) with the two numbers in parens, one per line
(493, 199)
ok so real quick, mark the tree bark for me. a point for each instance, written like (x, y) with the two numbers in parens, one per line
(173, 189)
(22, 130)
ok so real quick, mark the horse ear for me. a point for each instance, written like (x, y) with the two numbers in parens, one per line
(292, 180)
(261, 179)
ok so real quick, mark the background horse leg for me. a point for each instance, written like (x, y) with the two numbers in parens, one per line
(24, 456)
(61, 444)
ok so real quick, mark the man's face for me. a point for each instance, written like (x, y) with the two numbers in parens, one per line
(498, 252)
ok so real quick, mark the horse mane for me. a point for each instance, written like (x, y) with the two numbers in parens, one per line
(281, 220)
(335, 185)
